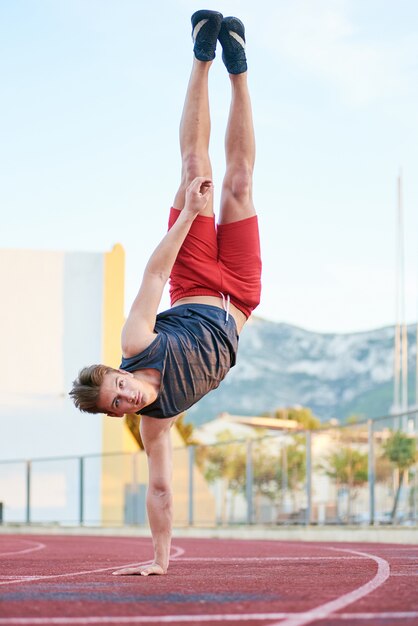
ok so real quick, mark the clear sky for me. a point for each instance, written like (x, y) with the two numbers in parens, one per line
(91, 96)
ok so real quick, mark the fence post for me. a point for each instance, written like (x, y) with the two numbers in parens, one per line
(81, 491)
(308, 477)
(249, 481)
(28, 487)
(370, 470)
(284, 468)
(191, 486)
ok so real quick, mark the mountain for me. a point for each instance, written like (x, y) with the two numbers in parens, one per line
(336, 375)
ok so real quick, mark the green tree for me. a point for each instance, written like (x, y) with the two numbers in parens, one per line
(186, 430)
(348, 467)
(296, 468)
(353, 419)
(401, 450)
(277, 473)
(300, 414)
(133, 422)
(267, 474)
(224, 461)
(296, 462)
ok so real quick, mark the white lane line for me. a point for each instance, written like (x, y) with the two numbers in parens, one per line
(322, 611)
(378, 616)
(37, 546)
(178, 552)
(17, 579)
(29, 576)
(225, 559)
(69, 574)
(173, 619)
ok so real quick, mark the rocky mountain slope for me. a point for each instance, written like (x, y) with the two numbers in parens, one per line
(336, 375)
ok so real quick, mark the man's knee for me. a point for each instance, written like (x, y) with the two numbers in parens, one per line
(238, 183)
(193, 165)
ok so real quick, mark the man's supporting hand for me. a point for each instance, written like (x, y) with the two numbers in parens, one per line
(149, 570)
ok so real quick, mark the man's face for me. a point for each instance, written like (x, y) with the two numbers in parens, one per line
(120, 393)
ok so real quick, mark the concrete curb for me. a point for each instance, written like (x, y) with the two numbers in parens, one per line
(331, 534)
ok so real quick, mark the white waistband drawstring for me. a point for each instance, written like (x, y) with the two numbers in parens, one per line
(225, 303)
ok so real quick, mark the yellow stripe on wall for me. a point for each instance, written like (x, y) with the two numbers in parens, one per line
(113, 304)
(116, 470)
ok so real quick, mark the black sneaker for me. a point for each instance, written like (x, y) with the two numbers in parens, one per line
(206, 26)
(232, 38)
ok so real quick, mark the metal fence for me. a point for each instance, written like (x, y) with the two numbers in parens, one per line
(363, 473)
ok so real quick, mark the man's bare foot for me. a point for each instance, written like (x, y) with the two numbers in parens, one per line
(149, 570)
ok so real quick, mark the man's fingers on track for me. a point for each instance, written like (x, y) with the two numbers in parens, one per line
(127, 571)
(153, 570)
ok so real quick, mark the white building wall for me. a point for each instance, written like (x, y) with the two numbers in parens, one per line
(50, 326)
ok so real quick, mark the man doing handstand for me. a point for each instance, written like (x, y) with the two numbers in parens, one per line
(172, 359)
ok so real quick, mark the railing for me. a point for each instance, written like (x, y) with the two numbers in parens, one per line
(334, 475)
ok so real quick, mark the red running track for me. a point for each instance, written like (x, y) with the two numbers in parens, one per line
(59, 580)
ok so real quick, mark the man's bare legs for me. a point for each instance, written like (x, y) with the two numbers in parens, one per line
(195, 133)
(236, 200)
(194, 146)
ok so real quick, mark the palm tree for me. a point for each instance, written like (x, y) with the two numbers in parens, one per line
(401, 450)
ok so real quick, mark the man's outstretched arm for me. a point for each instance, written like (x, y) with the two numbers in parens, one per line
(141, 318)
(155, 435)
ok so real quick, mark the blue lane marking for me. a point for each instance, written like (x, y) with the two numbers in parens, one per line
(116, 597)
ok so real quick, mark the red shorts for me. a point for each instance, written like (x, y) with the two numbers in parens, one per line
(219, 259)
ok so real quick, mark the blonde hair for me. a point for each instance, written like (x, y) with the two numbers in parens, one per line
(86, 388)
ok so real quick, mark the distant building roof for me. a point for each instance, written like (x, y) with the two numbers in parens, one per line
(240, 426)
(272, 423)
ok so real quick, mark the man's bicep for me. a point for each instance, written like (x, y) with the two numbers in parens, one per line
(148, 298)
(138, 330)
